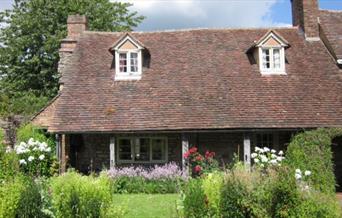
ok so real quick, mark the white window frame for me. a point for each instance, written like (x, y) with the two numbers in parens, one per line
(128, 75)
(132, 161)
(272, 70)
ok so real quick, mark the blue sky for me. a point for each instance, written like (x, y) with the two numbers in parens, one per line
(180, 14)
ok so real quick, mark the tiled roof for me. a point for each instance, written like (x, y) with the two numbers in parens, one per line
(198, 79)
(331, 22)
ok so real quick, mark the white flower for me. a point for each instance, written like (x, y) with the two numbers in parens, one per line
(8, 149)
(31, 142)
(298, 171)
(263, 158)
(298, 176)
(266, 149)
(41, 157)
(280, 158)
(307, 173)
(306, 187)
(273, 161)
(281, 152)
(274, 156)
(273, 151)
(257, 148)
(31, 158)
(22, 162)
(256, 160)
(262, 165)
(254, 155)
(48, 149)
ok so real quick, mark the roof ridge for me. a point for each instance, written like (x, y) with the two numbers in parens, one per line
(330, 10)
(193, 29)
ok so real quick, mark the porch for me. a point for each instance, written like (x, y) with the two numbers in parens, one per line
(88, 152)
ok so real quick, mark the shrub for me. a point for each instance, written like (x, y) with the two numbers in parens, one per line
(74, 195)
(20, 197)
(212, 187)
(28, 131)
(158, 179)
(311, 150)
(201, 164)
(9, 165)
(35, 158)
(195, 201)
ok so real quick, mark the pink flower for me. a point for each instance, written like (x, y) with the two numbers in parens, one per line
(199, 158)
(193, 150)
(198, 168)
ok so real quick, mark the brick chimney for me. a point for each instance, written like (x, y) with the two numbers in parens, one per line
(305, 14)
(76, 24)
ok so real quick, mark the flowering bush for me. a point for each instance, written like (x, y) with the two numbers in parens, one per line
(35, 158)
(201, 164)
(302, 179)
(158, 179)
(266, 157)
(168, 171)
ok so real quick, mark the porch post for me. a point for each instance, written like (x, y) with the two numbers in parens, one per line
(112, 151)
(185, 148)
(58, 150)
(63, 143)
(247, 149)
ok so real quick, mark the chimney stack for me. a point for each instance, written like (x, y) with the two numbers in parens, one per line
(305, 14)
(76, 25)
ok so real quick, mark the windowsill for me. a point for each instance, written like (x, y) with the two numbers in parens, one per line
(273, 73)
(119, 77)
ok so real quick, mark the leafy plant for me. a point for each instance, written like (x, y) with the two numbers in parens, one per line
(201, 164)
(74, 195)
(212, 186)
(311, 150)
(195, 201)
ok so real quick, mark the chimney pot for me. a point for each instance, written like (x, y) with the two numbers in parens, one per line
(76, 25)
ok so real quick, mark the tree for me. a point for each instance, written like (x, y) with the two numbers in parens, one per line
(30, 36)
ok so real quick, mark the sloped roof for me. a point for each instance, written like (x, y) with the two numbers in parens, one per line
(331, 22)
(198, 79)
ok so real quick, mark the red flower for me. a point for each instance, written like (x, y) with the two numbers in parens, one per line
(186, 155)
(199, 158)
(193, 150)
(198, 168)
(209, 154)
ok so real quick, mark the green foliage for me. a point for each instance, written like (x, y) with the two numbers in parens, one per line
(20, 197)
(124, 185)
(9, 167)
(74, 195)
(30, 39)
(195, 201)
(2, 138)
(212, 187)
(311, 150)
(26, 103)
(25, 132)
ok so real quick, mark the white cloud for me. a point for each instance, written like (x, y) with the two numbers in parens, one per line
(175, 14)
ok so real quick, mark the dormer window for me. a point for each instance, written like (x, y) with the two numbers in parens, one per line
(128, 59)
(269, 52)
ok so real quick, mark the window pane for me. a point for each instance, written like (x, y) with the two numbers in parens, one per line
(142, 149)
(264, 140)
(266, 59)
(123, 62)
(276, 58)
(134, 62)
(158, 149)
(125, 151)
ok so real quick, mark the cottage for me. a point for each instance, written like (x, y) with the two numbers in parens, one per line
(146, 97)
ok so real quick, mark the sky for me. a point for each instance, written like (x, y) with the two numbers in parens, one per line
(184, 14)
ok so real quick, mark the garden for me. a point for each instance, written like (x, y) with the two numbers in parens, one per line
(297, 183)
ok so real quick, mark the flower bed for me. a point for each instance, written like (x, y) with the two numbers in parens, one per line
(158, 179)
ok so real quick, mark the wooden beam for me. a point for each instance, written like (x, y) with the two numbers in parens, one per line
(185, 148)
(247, 149)
(112, 151)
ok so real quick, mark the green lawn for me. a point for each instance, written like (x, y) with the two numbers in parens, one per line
(149, 205)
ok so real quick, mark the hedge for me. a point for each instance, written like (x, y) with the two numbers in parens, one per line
(311, 150)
